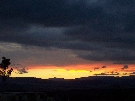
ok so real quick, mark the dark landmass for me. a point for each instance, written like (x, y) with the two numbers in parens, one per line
(99, 88)
(93, 82)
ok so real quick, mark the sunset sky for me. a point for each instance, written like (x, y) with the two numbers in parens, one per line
(68, 38)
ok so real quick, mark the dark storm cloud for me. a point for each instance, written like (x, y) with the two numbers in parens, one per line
(103, 28)
(111, 16)
(109, 55)
(47, 12)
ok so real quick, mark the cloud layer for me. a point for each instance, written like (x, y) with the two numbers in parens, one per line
(96, 30)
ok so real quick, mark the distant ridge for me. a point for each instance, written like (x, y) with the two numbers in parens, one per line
(38, 84)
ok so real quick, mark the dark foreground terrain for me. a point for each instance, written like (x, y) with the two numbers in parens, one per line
(84, 89)
(94, 95)
(87, 95)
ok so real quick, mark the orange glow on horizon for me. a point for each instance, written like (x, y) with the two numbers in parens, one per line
(77, 71)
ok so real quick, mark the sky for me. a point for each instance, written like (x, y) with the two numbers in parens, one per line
(72, 36)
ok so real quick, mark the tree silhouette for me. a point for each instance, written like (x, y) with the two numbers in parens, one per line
(4, 70)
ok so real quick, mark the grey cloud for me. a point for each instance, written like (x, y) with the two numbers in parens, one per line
(125, 67)
(103, 28)
(115, 56)
(28, 56)
(103, 66)
(23, 70)
(103, 39)
(20, 68)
